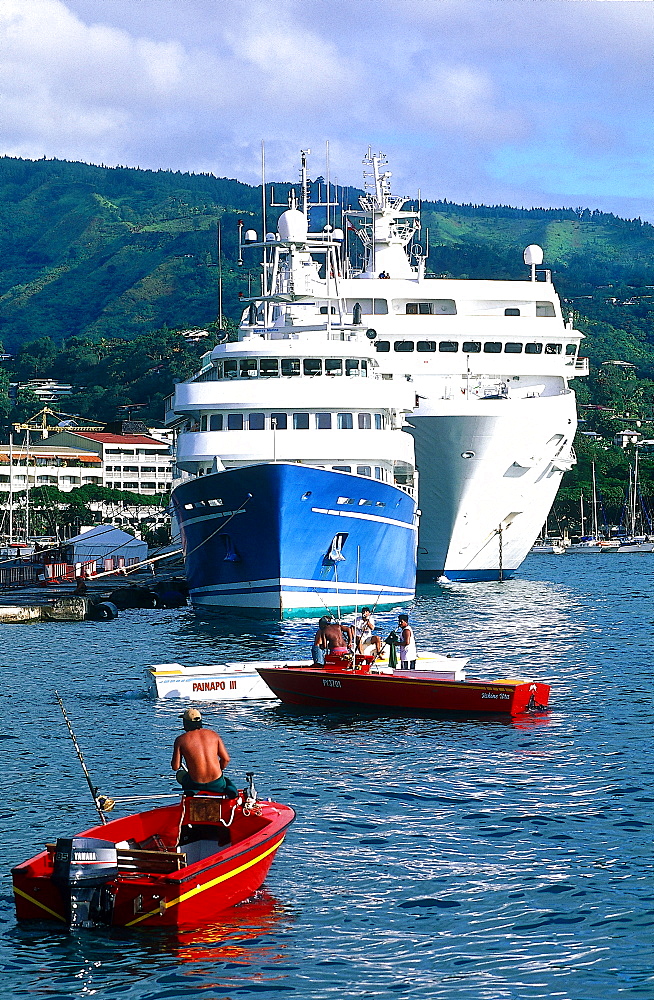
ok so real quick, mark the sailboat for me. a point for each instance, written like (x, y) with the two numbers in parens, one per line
(634, 541)
(545, 545)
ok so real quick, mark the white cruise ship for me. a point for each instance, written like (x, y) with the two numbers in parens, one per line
(491, 364)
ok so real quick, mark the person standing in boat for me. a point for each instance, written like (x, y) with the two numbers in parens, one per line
(204, 758)
(408, 652)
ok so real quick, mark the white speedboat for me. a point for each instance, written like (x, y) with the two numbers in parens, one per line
(241, 682)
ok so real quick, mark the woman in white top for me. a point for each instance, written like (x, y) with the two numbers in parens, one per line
(408, 652)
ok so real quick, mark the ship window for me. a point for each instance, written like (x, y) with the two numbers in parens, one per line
(571, 349)
(290, 366)
(352, 367)
(312, 366)
(218, 366)
(492, 347)
(269, 367)
(437, 307)
(552, 348)
(378, 307)
(324, 421)
(257, 422)
(513, 348)
(379, 421)
(364, 470)
(203, 423)
(301, 421)
(404, 346)
(216, 422)
(364, 421)
(278, 421)
(379, 472)
(383, 346)
(234, 421)
(344, 421)
(510, 311)
(545, 309)
(324, 310)
(472, 346)
(448, 347)
(247, 367)
(364, 367)
(333, 366)
(426, 346)
(231, 368)
(533, 348)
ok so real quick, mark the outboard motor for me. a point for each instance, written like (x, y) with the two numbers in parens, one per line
(82, 868)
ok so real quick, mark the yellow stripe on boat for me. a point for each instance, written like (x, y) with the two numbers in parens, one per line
(206, 885)
(41, 906)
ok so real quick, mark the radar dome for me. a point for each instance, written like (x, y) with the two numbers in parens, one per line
(293, 225)
(250, 236)
(533, 254)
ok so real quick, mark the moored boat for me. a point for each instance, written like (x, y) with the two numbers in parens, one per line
(242, 682)
(369, 685)
(174, 866)
(208, 682)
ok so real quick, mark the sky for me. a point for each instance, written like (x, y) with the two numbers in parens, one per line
(520, 102)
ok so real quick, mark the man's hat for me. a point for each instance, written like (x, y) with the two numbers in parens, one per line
(191, 715)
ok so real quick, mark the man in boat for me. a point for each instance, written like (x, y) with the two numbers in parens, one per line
(205, 758)
(331, 637)
(408, 652)
(364, 627)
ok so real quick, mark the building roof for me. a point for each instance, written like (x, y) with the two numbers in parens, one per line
(104, 437)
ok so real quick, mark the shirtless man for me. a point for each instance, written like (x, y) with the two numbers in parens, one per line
(204, 755)
(331, 637)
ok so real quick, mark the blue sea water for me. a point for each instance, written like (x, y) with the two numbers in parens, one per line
(431, 857)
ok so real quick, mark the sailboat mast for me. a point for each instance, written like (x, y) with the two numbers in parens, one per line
(581, 511)
(595, 518)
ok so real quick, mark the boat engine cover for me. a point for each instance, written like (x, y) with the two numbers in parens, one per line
(84, 861)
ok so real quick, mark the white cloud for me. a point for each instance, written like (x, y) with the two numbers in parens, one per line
(450, 88)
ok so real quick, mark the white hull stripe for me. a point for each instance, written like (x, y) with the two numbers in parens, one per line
(309, 585)
(365, 517)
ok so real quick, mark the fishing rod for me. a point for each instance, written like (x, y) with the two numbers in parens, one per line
(100, 801)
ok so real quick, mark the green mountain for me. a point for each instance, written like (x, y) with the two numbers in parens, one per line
(119, 252)
(100, 268)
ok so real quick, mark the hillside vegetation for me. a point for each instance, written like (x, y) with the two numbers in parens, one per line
(100, 268)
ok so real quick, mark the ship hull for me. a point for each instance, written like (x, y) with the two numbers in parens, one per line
(496, 465)
(264, 540)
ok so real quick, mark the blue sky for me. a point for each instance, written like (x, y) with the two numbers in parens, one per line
(525, 102)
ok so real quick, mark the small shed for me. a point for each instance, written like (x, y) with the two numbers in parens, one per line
(105, 544)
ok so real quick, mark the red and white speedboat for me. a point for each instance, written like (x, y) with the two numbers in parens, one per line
(367, 684)
(175, 866)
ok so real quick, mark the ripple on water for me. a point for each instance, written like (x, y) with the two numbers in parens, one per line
(431, 858)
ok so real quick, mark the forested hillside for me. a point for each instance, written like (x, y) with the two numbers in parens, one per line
(101, 267)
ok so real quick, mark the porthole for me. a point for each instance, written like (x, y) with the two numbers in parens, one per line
(467, 454)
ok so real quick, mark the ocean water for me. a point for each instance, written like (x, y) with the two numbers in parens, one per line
(431, 857)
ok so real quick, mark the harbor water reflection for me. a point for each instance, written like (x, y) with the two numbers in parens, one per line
(431, 857)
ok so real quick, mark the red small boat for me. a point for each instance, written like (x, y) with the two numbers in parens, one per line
(365, 684)
(175, 866)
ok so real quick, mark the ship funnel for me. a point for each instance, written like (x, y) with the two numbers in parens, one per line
(293, 225)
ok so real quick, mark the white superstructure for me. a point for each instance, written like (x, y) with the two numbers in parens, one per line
(489, 364)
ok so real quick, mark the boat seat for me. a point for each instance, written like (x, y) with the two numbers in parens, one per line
(136, 862)
(198, 850)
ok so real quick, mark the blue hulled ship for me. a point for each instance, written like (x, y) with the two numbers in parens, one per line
(296, 480)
